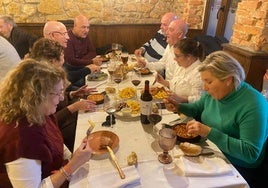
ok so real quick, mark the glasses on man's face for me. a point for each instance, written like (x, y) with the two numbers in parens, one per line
(64, 34)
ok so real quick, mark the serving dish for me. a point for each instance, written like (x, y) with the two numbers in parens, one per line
(100, 139)
(143, 71)
(96, 97)
(98, 76)
(182, 135)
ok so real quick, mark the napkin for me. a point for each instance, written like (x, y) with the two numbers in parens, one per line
(205, 166)
(112, 179)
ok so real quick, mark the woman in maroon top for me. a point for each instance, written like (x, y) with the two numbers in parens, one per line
(31, 144)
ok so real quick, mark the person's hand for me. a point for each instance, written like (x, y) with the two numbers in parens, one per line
(141, 62)
(82, 91)
(81, 155)
(138, 52)
(94, 68)
(195, 127)
(161, 80)
(170, 106)
(82, 104)
(97, 61)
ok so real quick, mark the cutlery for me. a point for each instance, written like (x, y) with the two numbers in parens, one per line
(91, 126)
(195, 155)
(113, 157)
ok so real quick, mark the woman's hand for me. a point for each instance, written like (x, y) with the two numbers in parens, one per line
(81, 92)
(80, 156)
(82, 104)
(195, 127)
(161, 80)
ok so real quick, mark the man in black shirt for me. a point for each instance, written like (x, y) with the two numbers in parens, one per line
(20, 39)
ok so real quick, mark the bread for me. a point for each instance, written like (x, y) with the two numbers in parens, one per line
(190, 149)
(96, 97)
(132, 159)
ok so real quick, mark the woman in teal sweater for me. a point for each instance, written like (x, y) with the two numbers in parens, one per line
(231, 114)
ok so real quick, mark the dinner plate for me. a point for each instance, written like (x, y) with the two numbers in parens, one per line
(120, 115)
(99, 76)
(99, 139)
(143, 73)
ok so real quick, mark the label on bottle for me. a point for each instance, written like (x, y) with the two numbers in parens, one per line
(146, 107)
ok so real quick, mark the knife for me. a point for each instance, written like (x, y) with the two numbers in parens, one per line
(113, 157)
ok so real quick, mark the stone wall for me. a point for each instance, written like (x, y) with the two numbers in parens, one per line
(104, 11)
(250, 30)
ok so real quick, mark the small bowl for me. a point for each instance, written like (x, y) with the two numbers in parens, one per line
(180, 130)
(126, 111)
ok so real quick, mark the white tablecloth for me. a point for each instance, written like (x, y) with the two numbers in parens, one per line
(135, 137)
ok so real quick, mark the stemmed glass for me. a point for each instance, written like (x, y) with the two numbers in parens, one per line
(136, 80)
(166, 140)
(111, 68)
(118, 76)
(155, 116)
(117, 48)
(110, 109)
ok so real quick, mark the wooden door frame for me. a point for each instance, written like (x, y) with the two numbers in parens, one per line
(222, 18)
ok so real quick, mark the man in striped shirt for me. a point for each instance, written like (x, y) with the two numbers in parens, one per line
(153, 50)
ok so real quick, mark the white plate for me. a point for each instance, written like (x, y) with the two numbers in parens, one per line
(131, 117)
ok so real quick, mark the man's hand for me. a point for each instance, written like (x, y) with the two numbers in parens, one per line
(97, 61)
(94, 68)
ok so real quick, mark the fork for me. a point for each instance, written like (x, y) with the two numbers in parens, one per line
(91, 126)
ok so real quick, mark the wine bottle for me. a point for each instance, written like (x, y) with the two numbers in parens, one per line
(146, 103)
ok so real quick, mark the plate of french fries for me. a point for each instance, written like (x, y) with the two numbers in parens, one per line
(127, 93)
(133, 105)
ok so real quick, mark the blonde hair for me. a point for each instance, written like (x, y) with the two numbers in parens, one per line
(26, 88)
(222, 65)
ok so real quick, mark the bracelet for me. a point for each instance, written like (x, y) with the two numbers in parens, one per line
(64, 173)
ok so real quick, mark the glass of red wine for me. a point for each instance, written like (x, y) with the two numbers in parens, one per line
(136, 80)
(118, 77)
(155, 116)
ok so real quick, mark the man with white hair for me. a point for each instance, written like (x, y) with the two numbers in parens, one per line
(177, 30)
(153, 50)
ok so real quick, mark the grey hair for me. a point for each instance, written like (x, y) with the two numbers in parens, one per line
(9, 20)
(222, 65)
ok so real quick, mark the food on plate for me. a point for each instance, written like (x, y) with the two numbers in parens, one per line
(98, 76)
(144, 71)
(132, 159)
(127, 93)
(126, 111)
(158, 92)
(110, 90)
(132, 104)
(96, 97)
(181, 131)
(190, 149)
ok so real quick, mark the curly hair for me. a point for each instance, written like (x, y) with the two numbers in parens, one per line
(46, 49)
(25, 88)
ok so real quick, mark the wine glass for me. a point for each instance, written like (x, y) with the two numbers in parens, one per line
(155, 116)
(111, 68)
(136, 80)
(166, 140)
(110, 109)
(118, 76)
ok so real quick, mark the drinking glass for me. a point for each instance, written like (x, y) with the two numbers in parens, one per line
(166, 140)
(111, 68)
(124, 57)
(155, 116)
(117, 48)
(109, 108)
(118, 76)
(136, 80)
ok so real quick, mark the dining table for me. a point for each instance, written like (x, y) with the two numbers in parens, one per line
(100, 171)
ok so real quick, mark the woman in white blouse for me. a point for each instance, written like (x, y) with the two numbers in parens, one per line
(186, 83)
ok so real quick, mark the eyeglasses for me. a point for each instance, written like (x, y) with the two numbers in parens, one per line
(64, 34)
(59, 94)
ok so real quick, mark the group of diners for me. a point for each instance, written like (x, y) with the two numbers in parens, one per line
(40, 100)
